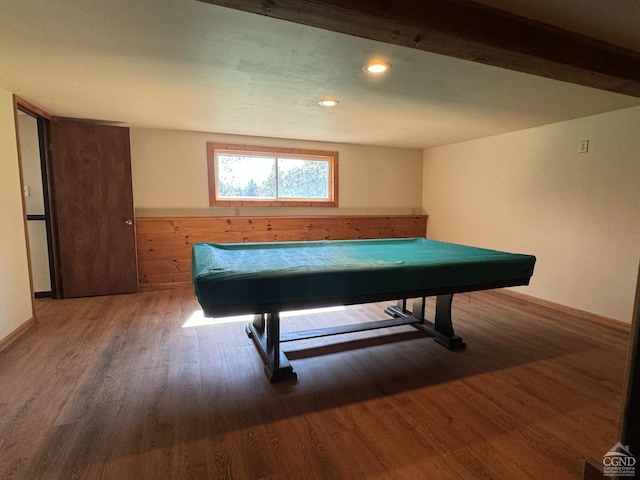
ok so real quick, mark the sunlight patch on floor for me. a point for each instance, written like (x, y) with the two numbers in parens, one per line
(197, 318)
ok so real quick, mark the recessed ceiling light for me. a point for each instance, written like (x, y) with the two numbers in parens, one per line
(376, 67)
(328, 102)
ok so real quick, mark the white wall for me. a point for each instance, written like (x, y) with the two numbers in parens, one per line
(15, 292)
(532, 192)
(170, 176)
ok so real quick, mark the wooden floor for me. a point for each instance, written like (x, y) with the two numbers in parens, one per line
(117, 388)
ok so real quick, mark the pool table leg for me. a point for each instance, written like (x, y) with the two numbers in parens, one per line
(265, 332)
(443, 325)
(259, 320)
(441, 328)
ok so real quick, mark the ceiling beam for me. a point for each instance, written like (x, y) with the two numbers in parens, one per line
(469, 31)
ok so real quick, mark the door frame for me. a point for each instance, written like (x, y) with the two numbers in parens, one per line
(43, 121)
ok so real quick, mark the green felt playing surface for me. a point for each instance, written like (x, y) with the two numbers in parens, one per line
(283, 273)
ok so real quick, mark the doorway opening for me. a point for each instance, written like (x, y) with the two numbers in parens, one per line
(33, 140)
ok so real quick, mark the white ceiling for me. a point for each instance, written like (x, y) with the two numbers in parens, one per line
(183, 64)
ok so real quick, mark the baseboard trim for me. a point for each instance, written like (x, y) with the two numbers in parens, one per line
(17, 333)
(162, 286)
(609, 322)
(592, 470)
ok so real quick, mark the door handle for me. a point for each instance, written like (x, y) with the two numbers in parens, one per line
(128, 221)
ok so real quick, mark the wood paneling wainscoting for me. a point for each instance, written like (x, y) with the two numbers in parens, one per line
(164, 243)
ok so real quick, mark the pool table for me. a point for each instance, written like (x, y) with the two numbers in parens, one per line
(265, 279)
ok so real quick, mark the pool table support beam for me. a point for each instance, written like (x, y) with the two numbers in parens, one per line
(441, 329)
(265, 332)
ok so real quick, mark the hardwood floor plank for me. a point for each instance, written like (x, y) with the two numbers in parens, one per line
(122, 388)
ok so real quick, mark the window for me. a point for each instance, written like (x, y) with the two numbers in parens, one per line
(241, 175)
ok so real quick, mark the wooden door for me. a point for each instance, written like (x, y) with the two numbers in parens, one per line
(93, 209)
